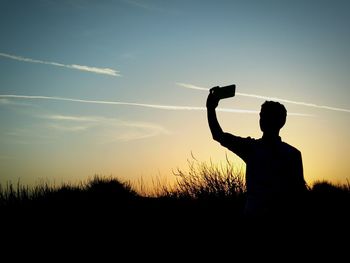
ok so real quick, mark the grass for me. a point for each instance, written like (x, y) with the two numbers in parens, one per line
(201, 181)
(105, 189)
(203, 208)
(214, 192)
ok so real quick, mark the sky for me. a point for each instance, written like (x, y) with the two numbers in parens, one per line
(119, 87)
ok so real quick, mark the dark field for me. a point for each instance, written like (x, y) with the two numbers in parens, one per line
(204, 207)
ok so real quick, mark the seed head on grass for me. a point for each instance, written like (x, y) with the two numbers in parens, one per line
(208, 180)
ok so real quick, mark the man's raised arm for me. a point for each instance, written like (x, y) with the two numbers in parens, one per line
(212, 103)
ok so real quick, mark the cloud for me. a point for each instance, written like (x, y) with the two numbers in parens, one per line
(27, 136)
(105, 71)
(144, 105)
(104, 130)
(190, 86)
(126, 130)
(111, 129)
(154, 106)
(69, 118)
(26, 132)
(68, 128)
(5, 102)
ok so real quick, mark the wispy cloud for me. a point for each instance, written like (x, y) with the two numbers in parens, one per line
(70, 118)
(113, 129)
(8, 102)
(144, 105)
(105, 71)
(5, 102)
(69, 128)
(190, 86)
(136, 130)
(102, 129)
(27, 136)
(28, 133)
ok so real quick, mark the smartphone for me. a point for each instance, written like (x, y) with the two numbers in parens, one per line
(225, 92)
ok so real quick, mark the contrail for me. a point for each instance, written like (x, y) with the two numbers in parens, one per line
(154, 106)
(105, 71)
(190, 86)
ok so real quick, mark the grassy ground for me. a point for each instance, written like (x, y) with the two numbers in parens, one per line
(204, 206)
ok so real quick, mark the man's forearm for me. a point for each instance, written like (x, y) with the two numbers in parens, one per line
(214, 125)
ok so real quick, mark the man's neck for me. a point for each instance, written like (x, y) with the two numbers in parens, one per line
(271, 136)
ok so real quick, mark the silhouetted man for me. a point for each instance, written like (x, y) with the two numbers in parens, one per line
(274, 170)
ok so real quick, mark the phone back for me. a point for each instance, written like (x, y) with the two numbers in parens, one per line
(226, 91)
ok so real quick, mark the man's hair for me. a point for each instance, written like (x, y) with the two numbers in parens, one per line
(275, 112)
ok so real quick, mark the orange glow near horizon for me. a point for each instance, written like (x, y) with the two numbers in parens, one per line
(121, 91)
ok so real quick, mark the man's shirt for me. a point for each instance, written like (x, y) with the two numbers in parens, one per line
(274, 169)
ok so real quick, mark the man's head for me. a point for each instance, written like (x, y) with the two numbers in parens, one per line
(272, 117)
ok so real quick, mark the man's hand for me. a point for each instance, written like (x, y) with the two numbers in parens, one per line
(212, 100)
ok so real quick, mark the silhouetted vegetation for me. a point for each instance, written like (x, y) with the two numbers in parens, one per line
(104, 189)
(207, 193)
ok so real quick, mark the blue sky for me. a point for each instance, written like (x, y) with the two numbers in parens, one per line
(296, 50)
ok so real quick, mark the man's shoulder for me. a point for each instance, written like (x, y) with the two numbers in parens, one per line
(231, 137)
(289, 148)
(237, 143)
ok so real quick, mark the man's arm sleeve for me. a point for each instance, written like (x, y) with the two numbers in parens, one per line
(238, 145)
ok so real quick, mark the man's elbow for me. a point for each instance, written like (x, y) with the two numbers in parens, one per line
(217, 137)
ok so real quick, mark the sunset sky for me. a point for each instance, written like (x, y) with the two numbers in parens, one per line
(118, 87)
